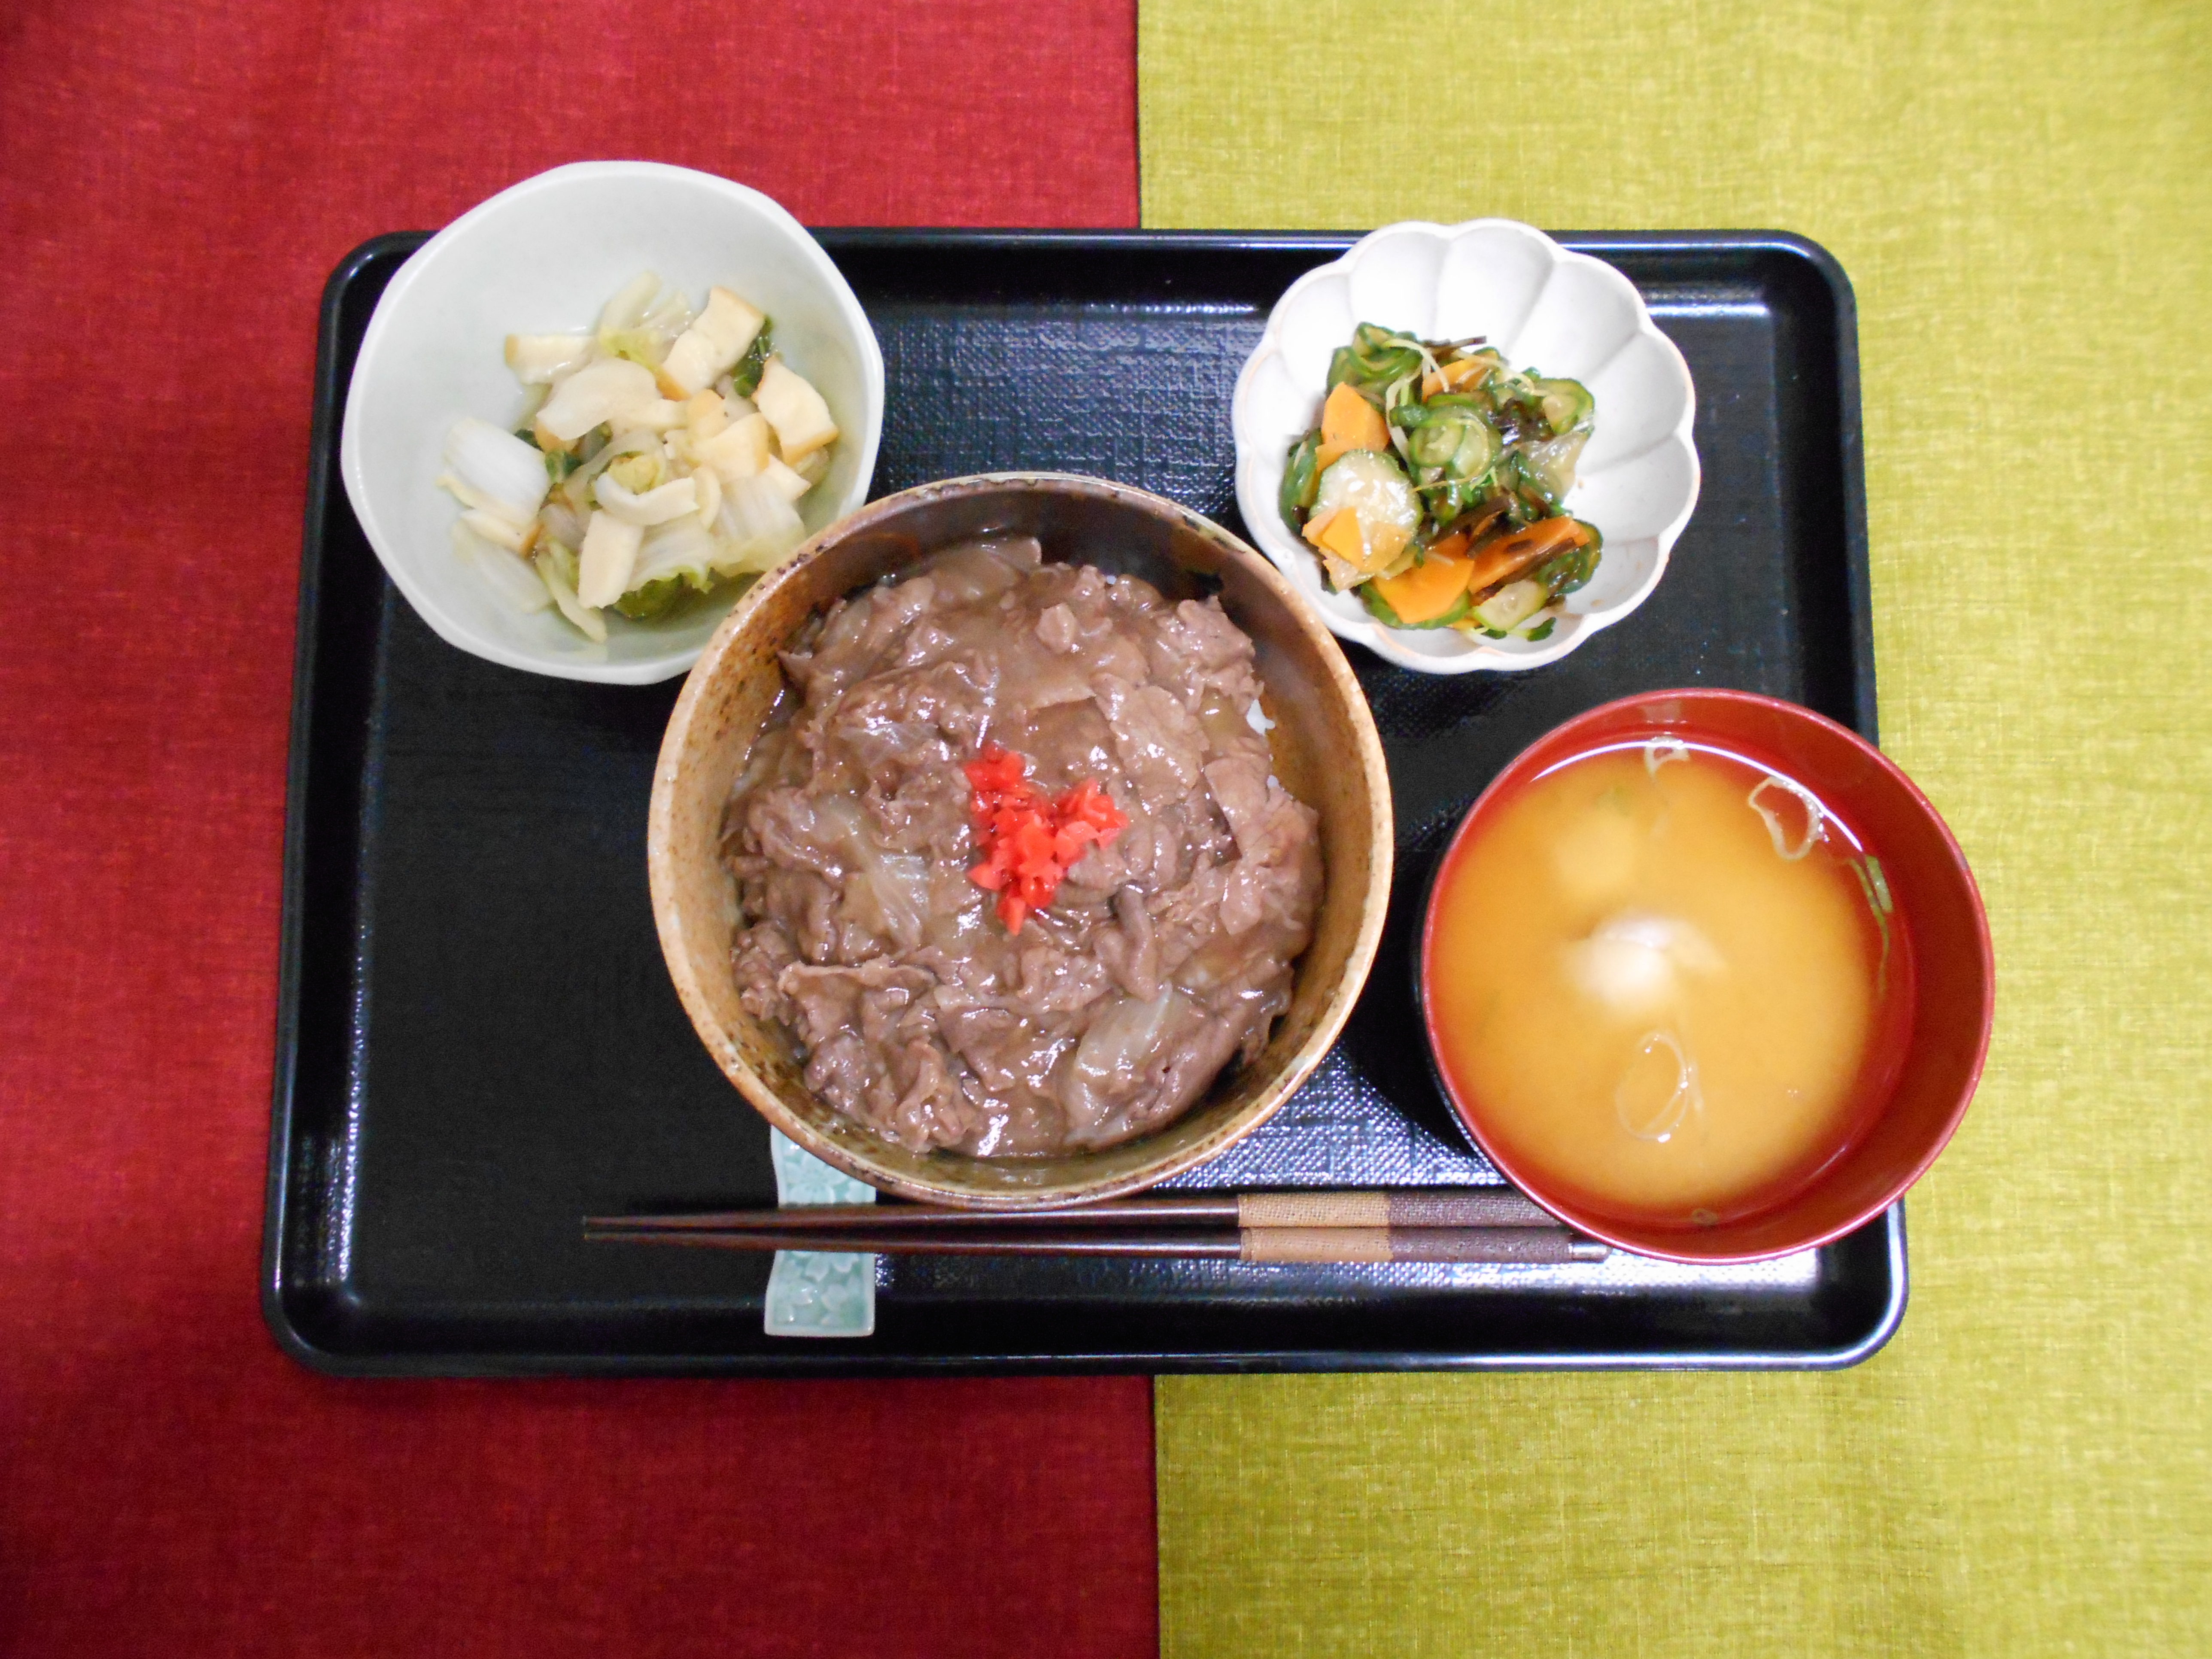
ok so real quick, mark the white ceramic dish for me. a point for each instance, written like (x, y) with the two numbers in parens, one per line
(543, 256)
(1546, 308)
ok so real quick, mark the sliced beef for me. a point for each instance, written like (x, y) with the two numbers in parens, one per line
(1163, 959)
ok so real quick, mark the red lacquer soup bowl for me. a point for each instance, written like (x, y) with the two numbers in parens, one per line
(1928, 1052)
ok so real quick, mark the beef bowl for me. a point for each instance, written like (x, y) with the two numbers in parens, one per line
(1023, 842)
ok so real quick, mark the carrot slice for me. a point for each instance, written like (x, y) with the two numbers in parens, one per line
(1429, 589)
(1348, 422)
(1341, 536)
(1455, 377)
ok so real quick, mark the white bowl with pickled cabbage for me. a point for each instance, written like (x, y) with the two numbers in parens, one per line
(1576, 420)
(503, 358)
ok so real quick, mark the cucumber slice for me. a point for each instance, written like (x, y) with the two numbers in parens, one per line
(1451, 434)
(1513, 604)
(1373, 485)
(1566, 404)
(1445, 499)
(1301, 479)
(1433, 443)
(1375, 357)
(1477, 451)
(1522, 477)
(1551, 464)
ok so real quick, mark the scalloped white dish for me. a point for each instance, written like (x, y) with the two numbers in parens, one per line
(543, 256)
(1546, 308)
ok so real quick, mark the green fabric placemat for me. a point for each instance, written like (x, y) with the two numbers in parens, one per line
(2020, 195)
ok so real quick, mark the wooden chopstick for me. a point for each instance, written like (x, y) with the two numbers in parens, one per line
(1269, 1244)
(1458, 1206)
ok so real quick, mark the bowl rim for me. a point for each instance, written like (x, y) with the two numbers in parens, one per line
(1268, 536)
(1626, 1237)
(1327, 1030)
(352, 469)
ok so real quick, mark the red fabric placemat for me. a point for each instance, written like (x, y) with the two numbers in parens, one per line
(175, 182)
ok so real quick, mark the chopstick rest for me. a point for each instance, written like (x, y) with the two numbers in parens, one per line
(818, 1292)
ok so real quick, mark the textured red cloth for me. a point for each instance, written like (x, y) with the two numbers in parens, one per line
(175, 182)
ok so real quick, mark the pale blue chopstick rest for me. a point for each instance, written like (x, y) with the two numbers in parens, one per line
(817, 1292)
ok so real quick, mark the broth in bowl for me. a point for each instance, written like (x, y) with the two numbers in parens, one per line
(1720, 919)
(1671, 977)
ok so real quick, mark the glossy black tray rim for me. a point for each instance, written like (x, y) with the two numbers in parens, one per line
(832, 1360)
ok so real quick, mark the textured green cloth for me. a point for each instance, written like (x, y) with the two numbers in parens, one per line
(2020, 195)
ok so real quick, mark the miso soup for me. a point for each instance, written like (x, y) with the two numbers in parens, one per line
(1662, 976)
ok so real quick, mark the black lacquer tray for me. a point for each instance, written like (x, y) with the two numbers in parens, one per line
(477, 1044)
